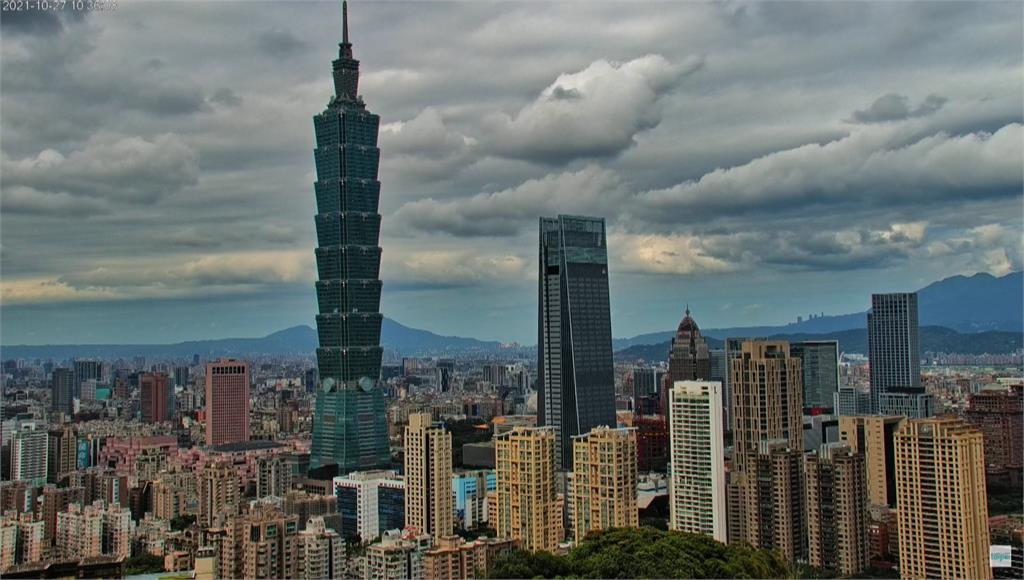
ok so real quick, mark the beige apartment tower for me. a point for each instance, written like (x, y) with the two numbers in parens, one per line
(767, 405)
(874, 437)
(527, 505)
(774, 514)
(604, 481)
(697, 483)
(837, 509)
(941, 500)
(428, 477)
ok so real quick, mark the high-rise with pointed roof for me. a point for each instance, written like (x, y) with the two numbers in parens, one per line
(350, 426)
(688, 359)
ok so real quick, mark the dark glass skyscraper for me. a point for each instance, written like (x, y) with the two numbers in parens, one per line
(350, 426)
(894, 356)
(576, 382)
(820, 362)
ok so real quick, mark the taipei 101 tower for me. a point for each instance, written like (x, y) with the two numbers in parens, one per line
(350, 425)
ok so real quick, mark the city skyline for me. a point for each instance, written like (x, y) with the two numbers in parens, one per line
(679, 140)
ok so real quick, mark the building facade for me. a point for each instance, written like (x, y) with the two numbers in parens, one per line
(837, 509)
(62, 391)
(227, 402)
(819, 360)
(894, 354)
(153, 393)
(941, 501)
(528, 509)
(350, 425)
(875, 438)
(428, 477)
(604, 481)
(697, 479)
(576, 380)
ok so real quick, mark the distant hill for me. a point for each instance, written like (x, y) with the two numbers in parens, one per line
(962, 303)
(290, 341)
(933, 339)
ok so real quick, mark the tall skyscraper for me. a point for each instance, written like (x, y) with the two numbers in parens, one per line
(86, 370)
(837, 509)
(820, 362)
(227, 401)
(576, 380)
(894, 356)
(697, 484)
(62, 392)
(153, 388)
(428, 477)
(941, 501)
(688, 360)
(875, 438)
(767, 403)
(604, 481)
(350, 424)
(527, 504)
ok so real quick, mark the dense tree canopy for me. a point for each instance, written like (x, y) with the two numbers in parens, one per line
(645, 553)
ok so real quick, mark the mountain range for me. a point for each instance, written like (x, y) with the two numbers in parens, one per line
(975, 314)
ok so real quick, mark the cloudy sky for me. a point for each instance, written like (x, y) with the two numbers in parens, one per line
(755, 160)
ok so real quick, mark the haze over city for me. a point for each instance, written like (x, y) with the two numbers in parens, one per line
(759, 161)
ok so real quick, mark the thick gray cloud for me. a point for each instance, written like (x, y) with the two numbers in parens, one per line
(157, 160)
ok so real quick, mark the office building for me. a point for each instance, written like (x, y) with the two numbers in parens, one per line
(850, 401)
(472, 490)
(819, 361)
(86, 370)
(181, 376)
(227, 402)
(62, 391)
(576, 381)
(894, 356)
(652, 443)
(350, 424)
(875, 438)
(697, 480)
(688, 360)
(153, 392)
(321, 552)
(604, 481)
(29, 453)
(527, 504)
(398, 556)
(941, 500)
(767, 399)
(370, 503)
(774, 505)
(428, 477)
(837, 509)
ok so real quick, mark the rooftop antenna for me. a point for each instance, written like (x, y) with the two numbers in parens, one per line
(344, 22)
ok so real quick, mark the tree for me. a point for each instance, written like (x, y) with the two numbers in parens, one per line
(645, 553)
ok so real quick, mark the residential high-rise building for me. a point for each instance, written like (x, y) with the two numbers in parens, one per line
(55, 501)
(273, 476)
(875, 438)
(527, 503)
(99, 529)
(767, 403)
(998, 412)
(428, 477)
(62, 452)
(894, 356)
(218, 493)
(697, 481)
(399, 555)
(350, 425)
(456, 559)
(576, 380)
(153, 389)
(321, 552)
(29, 453)
(819, 361)
(62, 391)
(941, 501)
(270, 546)
(652, 442)
(774, 508)
(689, 359)
(604, 481)
(227, 401)
(837, 509)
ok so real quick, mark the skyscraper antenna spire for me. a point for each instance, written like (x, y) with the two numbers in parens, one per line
(344, 21)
